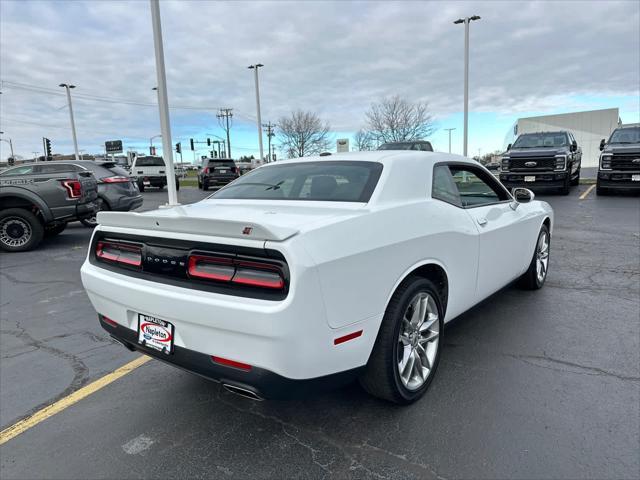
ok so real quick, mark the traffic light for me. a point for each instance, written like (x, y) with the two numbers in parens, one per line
(11, 161)
(179, 148)
(208, 142)
(191, 140)
(47, 147)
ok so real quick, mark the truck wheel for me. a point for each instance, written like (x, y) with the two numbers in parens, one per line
(55, 230)
(564, 190)
(406, 353)
(601, 191)
(576, 181)
(141, 187)
(177, 184)
(20, 230)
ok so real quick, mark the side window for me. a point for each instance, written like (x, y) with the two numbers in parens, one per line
(444, 188)
(475, 187)
(26, 170)
(54, 168)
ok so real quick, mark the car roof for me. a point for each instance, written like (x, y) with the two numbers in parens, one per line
(381, 156)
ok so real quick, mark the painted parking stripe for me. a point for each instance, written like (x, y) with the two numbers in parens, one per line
(587, 192)
(50, 410)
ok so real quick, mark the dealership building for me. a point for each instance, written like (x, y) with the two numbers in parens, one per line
(587, 127)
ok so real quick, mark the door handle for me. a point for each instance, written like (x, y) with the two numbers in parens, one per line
(482, 221)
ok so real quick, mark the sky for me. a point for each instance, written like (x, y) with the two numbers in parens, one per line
(332, 58)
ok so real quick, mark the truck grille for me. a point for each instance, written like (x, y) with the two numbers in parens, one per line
(541, 164)
(625, 161)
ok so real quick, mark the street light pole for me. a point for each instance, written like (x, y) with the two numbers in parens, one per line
(163, 103)
(255, 71)
(10, 145)
(68, 88)
(449, 130)
(466, 22)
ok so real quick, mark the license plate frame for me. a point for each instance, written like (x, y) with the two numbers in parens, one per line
(635, 177)
(155, 333)
(529, 178)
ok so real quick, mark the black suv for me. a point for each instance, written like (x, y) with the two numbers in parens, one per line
(619, 166)
(217, 172)
(542, 160)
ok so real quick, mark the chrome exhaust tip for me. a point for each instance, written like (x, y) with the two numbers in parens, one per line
(243, 392)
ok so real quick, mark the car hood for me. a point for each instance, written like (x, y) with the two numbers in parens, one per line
(536, 152)
(249, 219)
(623, 148)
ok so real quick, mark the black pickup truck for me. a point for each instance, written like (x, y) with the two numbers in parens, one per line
(38, 199)
(544, 160)
(619, 166)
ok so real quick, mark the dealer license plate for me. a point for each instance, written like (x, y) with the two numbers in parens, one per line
(529, 178)
(155, 333)
(635, 177)
(223, 171)
(146, 183)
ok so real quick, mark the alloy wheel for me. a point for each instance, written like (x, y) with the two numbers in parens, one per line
(15, 232)
(542, 257)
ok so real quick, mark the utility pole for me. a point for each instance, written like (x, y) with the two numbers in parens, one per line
(224, 117)
(270, 128)
(10, 145)
(163, 102)
(68, 88)
(449, 130)
(466, 22)
(255, 71)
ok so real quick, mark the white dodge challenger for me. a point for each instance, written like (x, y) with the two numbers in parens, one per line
(311, 272)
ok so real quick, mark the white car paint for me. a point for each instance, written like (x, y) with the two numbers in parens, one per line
(345, 261)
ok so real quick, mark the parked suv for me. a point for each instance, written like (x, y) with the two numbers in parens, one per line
(38, 199)
(619, 166)
(217, 172)
(420, 145)
(542, 160)
(150, 171)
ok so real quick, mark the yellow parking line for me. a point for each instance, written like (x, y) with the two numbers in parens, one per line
(48, 411)
(587, 192)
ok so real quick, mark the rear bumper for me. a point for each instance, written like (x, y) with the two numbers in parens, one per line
(617, 180)
(543, 180)
(263, 383)
(218, 181)
(126, 204)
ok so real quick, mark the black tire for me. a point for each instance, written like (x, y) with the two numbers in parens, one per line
(141, 187)
(381, 377)
(529, 280)
(601, 191)
(91, 222)
(161, 187)
(13, 222)
(199, 184)
(564, 190)
(205, 185)
(177, 184)
(52, 231)
(576, 181)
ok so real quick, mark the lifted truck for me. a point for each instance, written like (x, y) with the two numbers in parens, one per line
(544, 160)
(39, 199)
(619, 166)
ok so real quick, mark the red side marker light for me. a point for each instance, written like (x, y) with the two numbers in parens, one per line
(346, 338)
(231, 363)
(108, 321)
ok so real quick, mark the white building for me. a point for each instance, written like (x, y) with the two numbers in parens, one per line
(588, 128)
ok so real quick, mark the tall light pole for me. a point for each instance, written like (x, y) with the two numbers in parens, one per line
(466, 22)
(255, 71)
(68, 88)
(449, 130)
(163, 102)
(10, 145)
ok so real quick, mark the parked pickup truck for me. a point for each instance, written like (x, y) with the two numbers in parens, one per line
(38, 199)
(544, 160)
(150, 171)
(619, 166)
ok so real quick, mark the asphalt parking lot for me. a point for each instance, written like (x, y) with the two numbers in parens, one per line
(539, 384)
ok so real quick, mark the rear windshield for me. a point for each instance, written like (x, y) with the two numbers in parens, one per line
(149, 162)
(330, 181)
(625, 135)
(421, 146)
(541, 140)
(108, 168)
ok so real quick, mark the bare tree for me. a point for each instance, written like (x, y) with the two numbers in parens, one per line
(395, 119)
(363, 140)
(303, 133)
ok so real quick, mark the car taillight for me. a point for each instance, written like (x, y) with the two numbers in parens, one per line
(73, 188)
(235, 271)
(116, 179)
(205, 170)
(115, 252)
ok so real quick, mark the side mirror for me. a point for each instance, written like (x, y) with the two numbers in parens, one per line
(602, 143)
(521, 195)
(508, 147)
(574, 146)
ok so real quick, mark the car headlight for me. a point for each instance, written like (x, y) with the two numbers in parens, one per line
(605, 162)
(505, 164)
(561, 161)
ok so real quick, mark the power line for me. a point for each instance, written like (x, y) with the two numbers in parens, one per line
(227, 115)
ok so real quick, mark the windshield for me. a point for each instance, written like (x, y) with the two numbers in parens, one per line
(541, 140)
(149, 162)
(332, 181)
(625, 135)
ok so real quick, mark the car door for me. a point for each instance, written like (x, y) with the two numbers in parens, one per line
(503, 236)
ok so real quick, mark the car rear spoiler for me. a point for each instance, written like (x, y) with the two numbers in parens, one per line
(173, 222)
